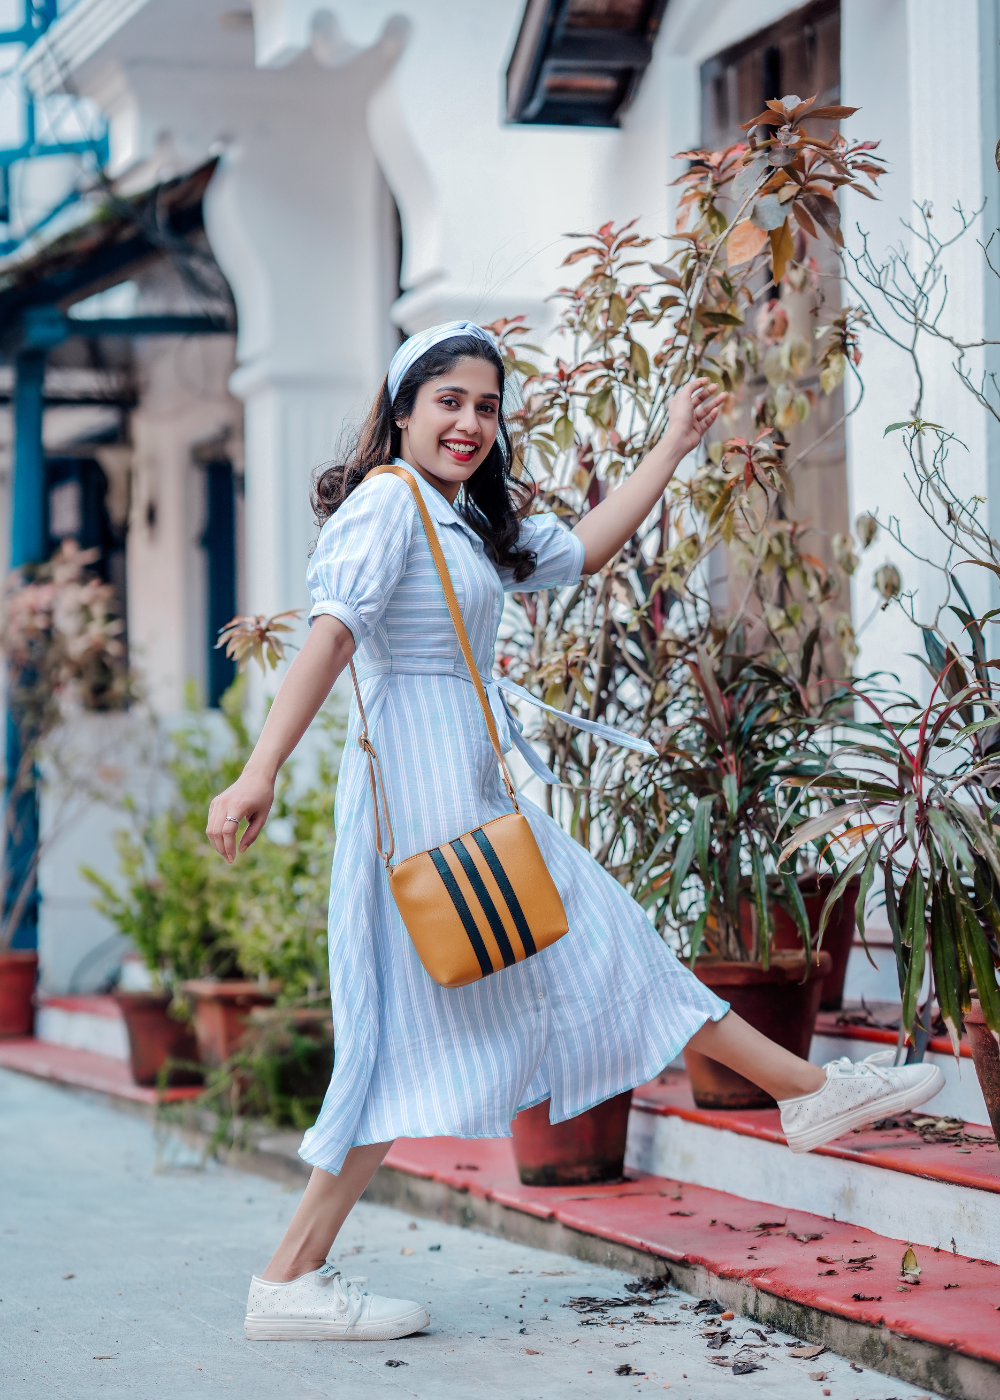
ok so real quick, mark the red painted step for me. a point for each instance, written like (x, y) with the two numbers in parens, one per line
(83, 1069)
(897, 1149)
(829, 1023)
(956, 1304)
(87, 1004)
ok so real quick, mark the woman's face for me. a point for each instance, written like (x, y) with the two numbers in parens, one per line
(453, 425)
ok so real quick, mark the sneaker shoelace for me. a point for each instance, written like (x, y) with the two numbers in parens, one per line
(348, 1297)
(860, 1069)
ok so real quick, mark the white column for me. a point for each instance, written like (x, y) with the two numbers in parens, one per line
(295, 217)
(291, 427)
(484, 205)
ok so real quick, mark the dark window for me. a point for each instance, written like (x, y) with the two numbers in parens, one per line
(800, 54)
(76, 505)
(219, 543)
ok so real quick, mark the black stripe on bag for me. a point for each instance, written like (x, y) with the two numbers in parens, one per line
(489, 908)
(507, 890)
(464, 912)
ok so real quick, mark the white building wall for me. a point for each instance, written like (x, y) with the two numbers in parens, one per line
(329, 93)
(325, 99)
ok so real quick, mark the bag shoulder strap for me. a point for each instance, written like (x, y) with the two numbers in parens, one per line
(455, 612)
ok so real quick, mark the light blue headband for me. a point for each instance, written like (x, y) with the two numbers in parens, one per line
(410, 351)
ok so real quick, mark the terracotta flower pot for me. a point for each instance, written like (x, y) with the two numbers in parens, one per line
(986, 1057)
(155, 1037)
(18, 970)
(838, 936)
(221, 1013)
(778, 1003)
(589, 1147)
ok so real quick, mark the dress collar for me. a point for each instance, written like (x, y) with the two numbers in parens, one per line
(440, 511)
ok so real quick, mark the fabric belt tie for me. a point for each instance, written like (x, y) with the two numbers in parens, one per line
(509, 727)
(511, 730)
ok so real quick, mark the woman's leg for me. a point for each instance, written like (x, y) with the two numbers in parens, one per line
(325, 1205)
(777, 1071)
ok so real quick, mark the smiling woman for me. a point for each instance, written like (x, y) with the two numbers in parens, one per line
(568, 996)
(442, 412)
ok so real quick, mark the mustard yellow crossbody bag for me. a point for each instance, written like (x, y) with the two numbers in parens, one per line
(485, 900)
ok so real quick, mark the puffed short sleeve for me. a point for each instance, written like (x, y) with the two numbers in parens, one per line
(558, 552)
(361, 554)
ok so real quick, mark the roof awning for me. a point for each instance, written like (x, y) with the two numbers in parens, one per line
(108, 248)
(579, 62)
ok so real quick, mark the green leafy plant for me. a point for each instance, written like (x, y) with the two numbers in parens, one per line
(191, 915)
(723, 297)
(171, 904)
(738, 761)
(278, 1076)
(923, 790)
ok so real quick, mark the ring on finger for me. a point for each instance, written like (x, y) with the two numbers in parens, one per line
(234, 819)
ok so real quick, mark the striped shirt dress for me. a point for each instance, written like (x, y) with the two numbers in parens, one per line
(601, 1010)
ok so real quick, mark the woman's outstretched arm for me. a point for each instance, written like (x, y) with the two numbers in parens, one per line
(307, 683)
(605, 529)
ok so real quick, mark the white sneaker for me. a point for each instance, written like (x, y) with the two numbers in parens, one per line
(323, 1306)
(855, 1095)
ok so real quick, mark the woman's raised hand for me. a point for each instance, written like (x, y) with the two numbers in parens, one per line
(693, 410)
(249, 798)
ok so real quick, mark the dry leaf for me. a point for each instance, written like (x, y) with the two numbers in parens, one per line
(256, 638)
(528, 1352)
(406, 1249)
(782, 250)
(818, 1375)
(745, 242)
(806, 1353)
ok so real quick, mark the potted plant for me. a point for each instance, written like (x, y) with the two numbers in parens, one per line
(837, 936)
(221, 941)
(737, 763)
(636, 325)
(175, 912)
(587, 1148)
(922, 783)
(61, 642)
(273, 901)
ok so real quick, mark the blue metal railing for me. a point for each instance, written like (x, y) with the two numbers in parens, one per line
(39, 15)
(41, 331)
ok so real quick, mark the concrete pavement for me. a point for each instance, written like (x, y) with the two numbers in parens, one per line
(124, 1267)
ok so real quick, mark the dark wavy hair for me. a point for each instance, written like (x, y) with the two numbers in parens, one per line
(492, 501)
